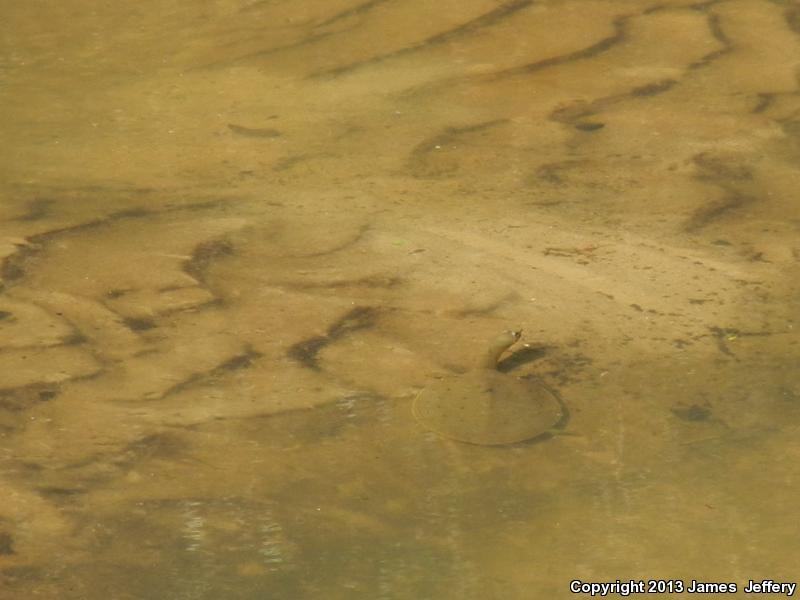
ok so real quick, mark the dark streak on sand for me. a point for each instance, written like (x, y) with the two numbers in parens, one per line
(254, 132)
(38, 209)
(306, 351)
(235, 363)
(14, 265)
(603, 45)
(718, 33)
(485, 20)
(204, 254)
(447, 139)
(355, 11)
(730, 176)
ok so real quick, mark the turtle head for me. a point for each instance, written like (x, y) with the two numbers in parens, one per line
(499, 345)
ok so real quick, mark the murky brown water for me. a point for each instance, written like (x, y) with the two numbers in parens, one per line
(238, 237)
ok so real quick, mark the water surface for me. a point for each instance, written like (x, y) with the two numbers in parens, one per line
(238, 237)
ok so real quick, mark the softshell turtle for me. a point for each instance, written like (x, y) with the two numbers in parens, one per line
(487, 407)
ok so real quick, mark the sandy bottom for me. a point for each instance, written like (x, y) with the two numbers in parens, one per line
(236, 243)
